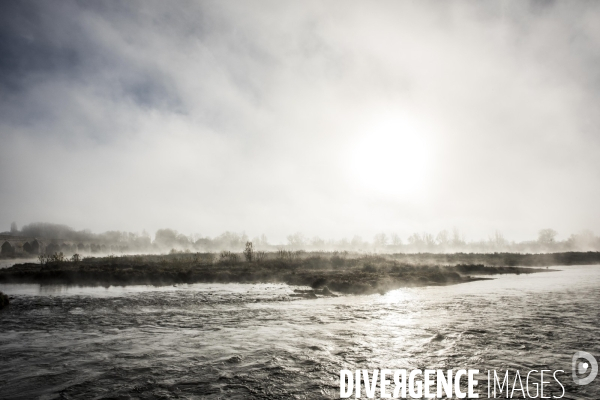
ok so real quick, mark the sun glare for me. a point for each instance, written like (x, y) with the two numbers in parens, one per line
(390, 157)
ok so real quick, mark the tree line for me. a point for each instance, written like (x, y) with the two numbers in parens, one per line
(64, 238)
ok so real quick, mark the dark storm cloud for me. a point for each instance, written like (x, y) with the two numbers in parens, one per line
(52, 43)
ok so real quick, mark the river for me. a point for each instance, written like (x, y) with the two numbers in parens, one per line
(254, 341)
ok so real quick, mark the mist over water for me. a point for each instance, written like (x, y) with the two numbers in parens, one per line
(246, 341)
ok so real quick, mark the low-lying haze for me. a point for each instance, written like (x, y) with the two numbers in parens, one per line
(330, 119)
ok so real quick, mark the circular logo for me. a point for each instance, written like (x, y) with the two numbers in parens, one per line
(580, 367)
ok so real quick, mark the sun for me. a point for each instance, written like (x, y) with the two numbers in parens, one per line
(391, 156)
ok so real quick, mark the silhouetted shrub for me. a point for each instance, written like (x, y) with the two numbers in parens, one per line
(261, 256)
(3, 300)
(318, 283)
(228, 257)
(52, 248)
(249, 252)
(337, 261)
(285, 255)
(368, 267)
(7, 249)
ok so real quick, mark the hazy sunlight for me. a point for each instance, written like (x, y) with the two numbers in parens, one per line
(391, 157)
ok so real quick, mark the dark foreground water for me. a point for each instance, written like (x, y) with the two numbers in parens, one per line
(252, 341)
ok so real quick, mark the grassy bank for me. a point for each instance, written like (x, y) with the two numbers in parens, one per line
(504, 259)
(339, 272)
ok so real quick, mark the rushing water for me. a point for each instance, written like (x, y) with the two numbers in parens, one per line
(253, 341)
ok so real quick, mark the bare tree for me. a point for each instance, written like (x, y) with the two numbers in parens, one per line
(497, 239)
(380, 240)
(443, 238)
(547, 236)
(317, 242)
(429, 240)
(457, 238)
(297, 240)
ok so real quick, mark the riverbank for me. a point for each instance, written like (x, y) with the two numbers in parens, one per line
(346, 275)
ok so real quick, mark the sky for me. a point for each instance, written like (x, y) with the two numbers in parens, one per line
(333, 119)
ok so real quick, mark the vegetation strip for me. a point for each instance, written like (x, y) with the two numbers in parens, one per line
(338, 272)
